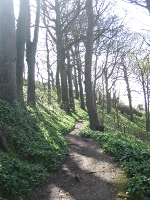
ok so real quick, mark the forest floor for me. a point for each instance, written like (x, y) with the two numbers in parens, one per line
(86, 173)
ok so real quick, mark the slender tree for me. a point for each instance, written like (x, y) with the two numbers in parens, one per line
(128, 88)
(31, 47)
(20, 44)
(80, 82)
(48, 69)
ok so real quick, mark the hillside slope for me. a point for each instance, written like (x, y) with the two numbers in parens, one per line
(35, 145)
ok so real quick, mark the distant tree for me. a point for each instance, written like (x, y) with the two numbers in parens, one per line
(79, 68)
(58, 25)
(48, 68)
(140, 107)
(31, 47)
(129, 92)
(20, 44)
(75, 80)
(69, 74)
(143, 76)
(8, 90)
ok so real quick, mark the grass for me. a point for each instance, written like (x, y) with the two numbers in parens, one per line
(36, 144)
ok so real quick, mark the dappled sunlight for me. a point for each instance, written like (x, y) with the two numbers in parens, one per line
(57, 192)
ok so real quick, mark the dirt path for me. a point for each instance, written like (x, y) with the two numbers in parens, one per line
(85, 174)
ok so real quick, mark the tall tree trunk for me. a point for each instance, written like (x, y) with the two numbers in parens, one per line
(129, 92)
(62, 91)
(30, 53)
(148, 118)
(75, 75)
(69, 70)
(64, 86)
(48, 70)
(145, 102)
(76, 84)
(79, 67)
(52, 79)
(8, 90)
(93, 117)
(108, 98)
(94, 82)
(59, 50)
(20, 44)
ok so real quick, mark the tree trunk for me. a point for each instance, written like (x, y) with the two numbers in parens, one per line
(63, 90)
(64, 86)
(30, 53)
(148, 118)
(145, 102)
(129, 92)
(52, 79)
(69, 70)
(76, 84)
(108, 97)
(80, 81)
(59, 49)
(48, 70)
(75, 75)
(8, 90)
(20, 44)
(93, 117)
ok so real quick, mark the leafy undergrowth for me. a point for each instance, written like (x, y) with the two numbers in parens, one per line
(133, 155)
(35, 145)
(121, 123)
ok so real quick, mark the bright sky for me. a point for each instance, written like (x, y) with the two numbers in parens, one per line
(137, 18)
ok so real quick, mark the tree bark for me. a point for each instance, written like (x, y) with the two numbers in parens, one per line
(145, 102)
(76, 84)
(20, 44)
(71, 95)
(62, 91)
(64, 86)
(8, 90)
(30, 53)
(48, 70)
(75, 75)
(108, 97)
(129, 92)
(93, 117)
(59, 49)
(79, 67)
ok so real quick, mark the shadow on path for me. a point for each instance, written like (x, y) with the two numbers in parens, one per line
(85, 174)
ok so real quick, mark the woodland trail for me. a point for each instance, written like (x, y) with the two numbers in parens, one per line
(85, 174)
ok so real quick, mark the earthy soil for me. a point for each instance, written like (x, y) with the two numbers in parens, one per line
(85, 174)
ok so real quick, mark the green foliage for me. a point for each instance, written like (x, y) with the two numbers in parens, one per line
(35, 144)
(133, 155)
(124, 109)
(17, 178)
